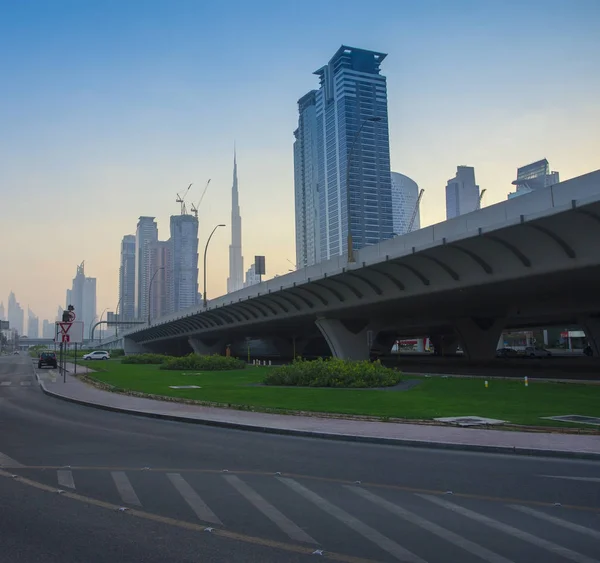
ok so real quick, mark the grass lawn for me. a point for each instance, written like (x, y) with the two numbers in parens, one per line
(434, 397)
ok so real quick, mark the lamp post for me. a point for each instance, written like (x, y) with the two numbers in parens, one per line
(150, 293)
(117, 317)
(205, 249)
(100, 325)
(348, 162)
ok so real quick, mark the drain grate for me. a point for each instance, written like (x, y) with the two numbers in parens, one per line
(577, 418)
(470, 420)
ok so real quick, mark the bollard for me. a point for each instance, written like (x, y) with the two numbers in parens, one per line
(486, 384)
(526, 381)
(269, 362)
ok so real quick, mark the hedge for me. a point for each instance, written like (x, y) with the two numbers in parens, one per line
(205, 363)
(333, 372)
(145, 359)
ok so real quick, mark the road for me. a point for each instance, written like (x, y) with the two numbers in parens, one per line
(194, 493)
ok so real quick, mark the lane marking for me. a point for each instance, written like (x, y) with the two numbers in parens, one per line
(590, 479)
(459, 541)
(5, 383)
(193, 499)
(6, 461)
(125, 488)
(65, 478)
(279, 519)
(515, 532)
(191, 526)
(558, 521)
(25, 383)
(381, 541)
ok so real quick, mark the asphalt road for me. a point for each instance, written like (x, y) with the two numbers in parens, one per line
(268, 498)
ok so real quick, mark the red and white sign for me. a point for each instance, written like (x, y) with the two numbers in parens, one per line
(69, 333)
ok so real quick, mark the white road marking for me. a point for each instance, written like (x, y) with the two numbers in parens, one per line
(590, 479)
(510, 530)
(355, 524)
(459, 541)
(6, 461)
(558, 521)
(65, 478)
(279, 519)
(194, 501)
(125, 488)
(5, 383)
(25, 383)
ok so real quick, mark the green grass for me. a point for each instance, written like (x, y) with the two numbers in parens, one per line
(434, 397)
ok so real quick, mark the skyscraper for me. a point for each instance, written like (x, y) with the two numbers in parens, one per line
(353, 152)
(15, 314)
(82, 296)
(405, 193)
(47, 329)
(462, 193)
(146, 234)
(533, 177)
(33, 324)
(126, 310)
(183, 272)
(2, 318)
(160, 275)
(235, 281)
(306, 183)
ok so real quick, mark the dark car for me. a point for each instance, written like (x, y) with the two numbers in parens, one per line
(506, 353)
(47, 359)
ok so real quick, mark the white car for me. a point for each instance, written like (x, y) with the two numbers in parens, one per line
(97, 355)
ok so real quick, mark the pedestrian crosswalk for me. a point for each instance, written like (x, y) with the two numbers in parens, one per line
(382, 524)
(11, 383)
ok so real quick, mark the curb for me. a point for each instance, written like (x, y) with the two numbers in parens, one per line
(507, 450)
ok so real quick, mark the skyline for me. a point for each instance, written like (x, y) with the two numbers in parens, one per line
(106, 120)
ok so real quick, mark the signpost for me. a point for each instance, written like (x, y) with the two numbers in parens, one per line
(67, 332)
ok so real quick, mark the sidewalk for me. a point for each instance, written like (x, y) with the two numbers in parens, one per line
(473, 439)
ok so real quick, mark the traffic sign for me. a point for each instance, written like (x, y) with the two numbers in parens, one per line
(72, 316)
(65, 338)
(71, 332)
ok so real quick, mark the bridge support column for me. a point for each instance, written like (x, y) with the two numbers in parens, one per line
(131, 347)
(444, 344)
(348, 340)
(206, 347)
(479, 337)
(591, 327)
(289, 347)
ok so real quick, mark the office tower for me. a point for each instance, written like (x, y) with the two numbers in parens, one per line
(160, 276)
(33, 324)
(405, 194)
(533, 177)
(2, 318)
(82, 296)
(126, 309)
(462, 193)
(146, 234)
(353, 152)
(306, 183)
(235, 281)
(15, 314)
(252, 278)
(47, 329)
(183, 270)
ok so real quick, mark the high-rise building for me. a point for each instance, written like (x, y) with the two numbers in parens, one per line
(82, 296)
(2, 317)
(353, 152)
(252, 278)
(146, 234)
(47, 329)
(306, 182)
(183, 270)
(405, 193)
(160, 275)
(33, 324)
(235, 281)
(462, 193)
(126, 310)
(532, 177)
(15, 314)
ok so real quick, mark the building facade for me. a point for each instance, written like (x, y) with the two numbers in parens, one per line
(462, 193)
(182, 272)
(126, 309)
(306, 183)
(2, 317)
(353, 152)
(145, 235)
(33, 324)
(252, 278)
(405, 195)
(533, 177)
(235, 281)
(16, 315)
(48, 329)
(160, 276)
(82, 296)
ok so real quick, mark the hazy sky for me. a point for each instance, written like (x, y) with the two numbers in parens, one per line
(108, 108)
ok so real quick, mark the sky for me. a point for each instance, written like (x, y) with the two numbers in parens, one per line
(108, 108)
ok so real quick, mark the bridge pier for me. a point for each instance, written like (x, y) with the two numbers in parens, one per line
(347, 340)
(479, 337)
(289, 347)
(207, 346)
(131, 347)
(444, 344)
(591, 327)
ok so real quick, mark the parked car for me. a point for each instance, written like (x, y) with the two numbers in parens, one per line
(532, 352)
(97, 355)
(47, 359)
(16, 352)
(506, 353)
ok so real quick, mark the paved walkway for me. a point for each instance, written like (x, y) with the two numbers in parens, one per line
(474, 439)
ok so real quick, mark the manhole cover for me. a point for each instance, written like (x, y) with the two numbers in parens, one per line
(184, 387)
(470, 420)
(577, 418)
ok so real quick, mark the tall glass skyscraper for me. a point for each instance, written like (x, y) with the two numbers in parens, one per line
(462, 193)
(145, 235)
(127, 279)
(184, 271)
(353, 152)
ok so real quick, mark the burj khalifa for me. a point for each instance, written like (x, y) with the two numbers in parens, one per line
(235, 281)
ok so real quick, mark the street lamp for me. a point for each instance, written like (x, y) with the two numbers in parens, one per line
(150, 293)
(350, 152)
(117, 318)
(100, 324)
(205, 249)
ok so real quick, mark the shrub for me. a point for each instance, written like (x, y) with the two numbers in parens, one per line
(206, 363)
(145, 359)
(333, 373)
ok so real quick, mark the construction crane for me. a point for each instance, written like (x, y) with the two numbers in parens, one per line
(181, 200)
(416, 210)
(194, 208)
(480, 198)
